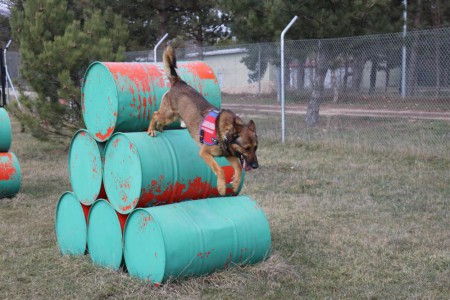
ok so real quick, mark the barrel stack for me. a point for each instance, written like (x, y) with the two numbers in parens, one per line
(132, 200)
(10, 176)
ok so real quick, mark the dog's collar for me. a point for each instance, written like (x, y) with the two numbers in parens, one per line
(227, 142)
(224, 144)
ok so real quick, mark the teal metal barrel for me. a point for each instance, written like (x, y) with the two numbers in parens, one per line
(86, 167)
(141, 170)
(5, 131)
(121, 97)
(10, 175)
(104, 235)
(194, 238)
(71, 225)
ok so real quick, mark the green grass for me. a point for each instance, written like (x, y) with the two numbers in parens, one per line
(421, 137)
(348, 220)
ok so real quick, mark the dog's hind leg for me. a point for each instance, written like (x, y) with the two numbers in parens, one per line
(160, 116)
(236, 164)
(211, 162)
(152, 127)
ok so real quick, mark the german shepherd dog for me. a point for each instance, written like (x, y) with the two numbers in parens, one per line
(233, 139)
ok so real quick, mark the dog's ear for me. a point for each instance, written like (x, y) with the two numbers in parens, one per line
(251, 126)
(237, 126)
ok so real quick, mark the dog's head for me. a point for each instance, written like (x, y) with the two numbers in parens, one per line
(245, 143)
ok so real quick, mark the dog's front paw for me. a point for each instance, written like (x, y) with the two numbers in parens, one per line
(151, 132)
(235, 184)
(221, 187)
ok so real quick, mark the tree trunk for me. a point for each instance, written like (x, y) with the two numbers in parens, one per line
(373, 74)
(437, 62)
(312, 112)
(301, 77)
(411, 78)
(164, 23)
(437, 21)
(358, 69)
(411, 74)
(334, 86)
(388, 74)
(346, 74)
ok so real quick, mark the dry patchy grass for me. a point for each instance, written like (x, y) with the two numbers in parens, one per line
(346, 222)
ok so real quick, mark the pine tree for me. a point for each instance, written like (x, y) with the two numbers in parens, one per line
(58, 40)
(5, 29)
(201, 21)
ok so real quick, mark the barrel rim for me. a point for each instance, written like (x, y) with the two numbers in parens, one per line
(56, 219)
(18, 175)
(7, 129)
(138, 155)
(16, 159)
(160, 235)
(70, 169)
(97, 203)
(116, 103)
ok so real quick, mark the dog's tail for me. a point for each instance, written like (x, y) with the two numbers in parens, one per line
(170, 62)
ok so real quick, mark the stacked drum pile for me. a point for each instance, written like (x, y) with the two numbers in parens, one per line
(9, 165)
(126, 209)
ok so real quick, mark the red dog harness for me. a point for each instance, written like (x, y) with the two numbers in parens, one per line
(208, 132)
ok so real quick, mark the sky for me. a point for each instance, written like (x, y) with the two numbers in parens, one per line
(4, 10)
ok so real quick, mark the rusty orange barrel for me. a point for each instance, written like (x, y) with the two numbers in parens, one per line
(5, 130)
(104, 235)
(121, 97)
(10, 176)
(71, 225)
(142, 171)
(194, 238)
(86, 167)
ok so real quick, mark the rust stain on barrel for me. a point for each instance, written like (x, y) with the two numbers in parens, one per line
(108, 133)
(7, 169)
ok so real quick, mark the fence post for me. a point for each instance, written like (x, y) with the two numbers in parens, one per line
(9, 77)
(157, 45)
(283, 121)
(2, 79)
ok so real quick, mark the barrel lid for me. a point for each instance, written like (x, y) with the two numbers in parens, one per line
(144, 246)
(70, 225)
(122, 173)
(99, 98)
(85, 166)
(104, 236)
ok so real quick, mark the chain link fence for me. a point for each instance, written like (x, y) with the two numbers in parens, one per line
(343, 90)
(346, 90)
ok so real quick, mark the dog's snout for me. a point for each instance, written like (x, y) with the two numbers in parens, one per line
(254, 165)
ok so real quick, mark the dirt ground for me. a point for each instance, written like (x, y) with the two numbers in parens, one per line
(334, 110)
